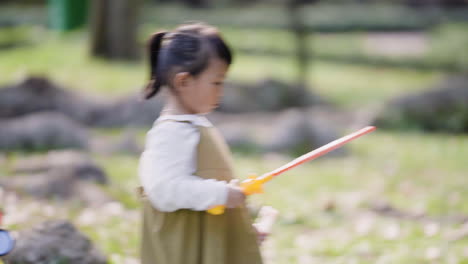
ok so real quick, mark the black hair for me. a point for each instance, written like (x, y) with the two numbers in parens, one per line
(188, 48)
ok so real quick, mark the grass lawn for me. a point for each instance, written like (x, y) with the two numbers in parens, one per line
(65, 59)
(325, 205)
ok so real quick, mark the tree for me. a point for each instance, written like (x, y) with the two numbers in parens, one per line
(114, 28)
(300, 35)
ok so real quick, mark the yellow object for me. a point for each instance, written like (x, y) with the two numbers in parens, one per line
(249, 186)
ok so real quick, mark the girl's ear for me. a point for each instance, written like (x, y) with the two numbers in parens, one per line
(181, 81)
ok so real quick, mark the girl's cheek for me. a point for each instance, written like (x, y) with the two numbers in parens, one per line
(219, 91)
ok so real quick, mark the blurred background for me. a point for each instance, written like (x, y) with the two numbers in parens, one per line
(305, 72)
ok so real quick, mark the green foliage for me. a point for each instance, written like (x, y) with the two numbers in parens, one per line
(14, 36)
(325, 204)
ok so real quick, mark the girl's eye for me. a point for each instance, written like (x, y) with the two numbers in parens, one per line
(218, 83)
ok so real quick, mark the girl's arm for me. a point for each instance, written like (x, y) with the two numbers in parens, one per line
(167, 170)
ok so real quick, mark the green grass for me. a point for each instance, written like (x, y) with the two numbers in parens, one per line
(446, 41)
(413, 172)
(65, 59)
(324, 205)
(344, 85)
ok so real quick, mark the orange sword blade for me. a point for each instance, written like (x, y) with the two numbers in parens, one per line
(316, 153)
(255, 184)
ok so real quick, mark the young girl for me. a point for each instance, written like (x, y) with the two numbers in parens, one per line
(186, 166)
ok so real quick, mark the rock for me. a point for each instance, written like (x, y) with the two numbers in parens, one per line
(38, 94)
(90, 194)
(129, 111)
(266, 95)
(61, 176)
(297, 132)
(237, 137)
(271, 95)
(294, 130)
(444, 108)
(274, 95)
(42, 131)
(127, 143)
(289, 133)
(321, 132)
(56, 184)
(76, 164)
(236, 99)
(54, 242)
(241, 130)
(59, 184)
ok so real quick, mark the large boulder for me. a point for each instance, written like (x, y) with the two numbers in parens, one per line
(77, 164)
(42, 131)
(127, 142)
(294, 130)
(54, 242)
(297, 132)
(265, 95)
(62, 176)
(58, 185)
(130, 110)
(38, 94)
(443, 108)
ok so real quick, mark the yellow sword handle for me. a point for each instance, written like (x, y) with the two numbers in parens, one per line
(217, 210)
(249, 186)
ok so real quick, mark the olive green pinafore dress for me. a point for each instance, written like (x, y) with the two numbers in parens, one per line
(196, 237)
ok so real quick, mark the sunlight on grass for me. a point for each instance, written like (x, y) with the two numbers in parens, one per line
(345, 85)
(320, 201)
(324, 204)
(123, 172)
(66, 61)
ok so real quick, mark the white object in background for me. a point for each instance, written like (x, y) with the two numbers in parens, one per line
(266, 218)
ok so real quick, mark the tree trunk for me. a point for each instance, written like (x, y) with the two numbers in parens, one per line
(114, 29)
(300, 36)
(197, 3)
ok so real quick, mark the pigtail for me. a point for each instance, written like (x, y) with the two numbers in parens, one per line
(154, 47)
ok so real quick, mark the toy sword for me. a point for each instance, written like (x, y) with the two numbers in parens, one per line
(254, 184)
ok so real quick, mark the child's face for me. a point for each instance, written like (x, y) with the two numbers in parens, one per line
(202, 93)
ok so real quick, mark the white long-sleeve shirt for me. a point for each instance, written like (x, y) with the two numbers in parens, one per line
(168, 165)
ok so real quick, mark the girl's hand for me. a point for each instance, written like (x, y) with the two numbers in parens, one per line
(236, 197)
(261, 236)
